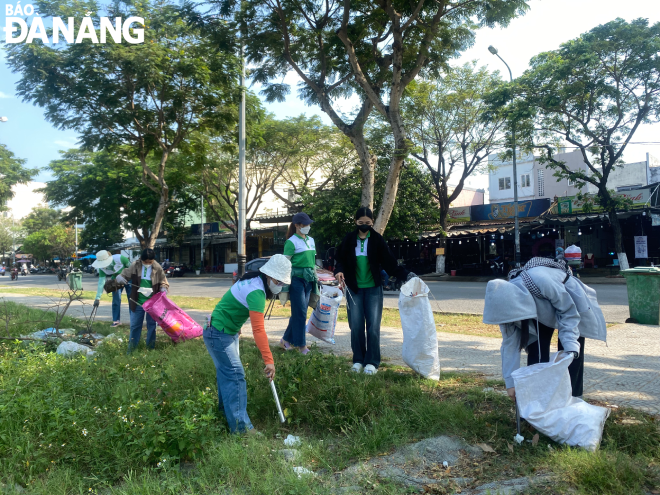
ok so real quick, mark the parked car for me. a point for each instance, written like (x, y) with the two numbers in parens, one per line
(251, 266)
(178, 270)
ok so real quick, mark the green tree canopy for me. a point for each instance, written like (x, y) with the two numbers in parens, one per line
(299, 153)
(6, 239)
(592, 93)
(107, 194)
(12, 173)
(149, 97)
(55, 241)
(333, 208)
(447, 124)
(41, 218)
(371, 48)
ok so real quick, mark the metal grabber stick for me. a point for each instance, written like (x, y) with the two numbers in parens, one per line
(517, 418)
(277, 401)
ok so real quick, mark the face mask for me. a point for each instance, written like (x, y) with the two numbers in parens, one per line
(274, 288)
(364, 228)
(305, 230)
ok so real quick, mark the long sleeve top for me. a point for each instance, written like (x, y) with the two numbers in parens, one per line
(119, 262)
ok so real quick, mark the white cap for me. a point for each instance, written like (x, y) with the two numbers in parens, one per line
(278, 267)
(103, 259)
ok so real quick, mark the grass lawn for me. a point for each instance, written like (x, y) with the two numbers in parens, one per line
(465, 324)
(54, 293)
(148, 424)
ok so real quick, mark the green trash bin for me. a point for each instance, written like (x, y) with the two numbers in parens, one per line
(644, 294)
(75, 280)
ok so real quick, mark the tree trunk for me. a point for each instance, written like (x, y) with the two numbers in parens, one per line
(444, 213)
(392, 185)
(618, 241)
(160, 214)
(355, 132)
(368, 162)
(389, 195)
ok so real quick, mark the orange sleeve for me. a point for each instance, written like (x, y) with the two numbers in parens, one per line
(260, 337)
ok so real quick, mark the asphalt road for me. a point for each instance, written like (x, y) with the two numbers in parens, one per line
(450, 297)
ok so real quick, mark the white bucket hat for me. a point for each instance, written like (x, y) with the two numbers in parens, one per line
(278, 267)
(103, 259)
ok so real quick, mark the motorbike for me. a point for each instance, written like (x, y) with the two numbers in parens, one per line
(169, 271)
(394, 285)
(14, 274)
(2, 271)
(61, 274)
(24, 272)
(497, 267)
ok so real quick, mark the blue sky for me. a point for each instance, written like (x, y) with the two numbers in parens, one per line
(548, 23)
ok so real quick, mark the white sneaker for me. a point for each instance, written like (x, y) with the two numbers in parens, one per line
(370, 369)
(357, 368)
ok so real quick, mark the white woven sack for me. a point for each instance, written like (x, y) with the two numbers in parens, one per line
(420, 338)
(543, 394)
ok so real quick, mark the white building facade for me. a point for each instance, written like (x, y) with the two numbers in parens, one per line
(536, 181)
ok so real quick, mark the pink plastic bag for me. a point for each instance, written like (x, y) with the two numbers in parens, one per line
(171, 318)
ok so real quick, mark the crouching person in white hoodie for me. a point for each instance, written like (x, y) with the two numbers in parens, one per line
(542, 296)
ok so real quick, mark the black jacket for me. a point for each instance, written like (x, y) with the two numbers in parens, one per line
(379, 255)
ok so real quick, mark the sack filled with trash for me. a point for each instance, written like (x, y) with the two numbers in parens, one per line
(420, 338)
(323, 322)
(174, 321)
(543, 395)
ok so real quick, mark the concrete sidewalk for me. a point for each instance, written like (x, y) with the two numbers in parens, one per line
(625, 371)
(434, 277)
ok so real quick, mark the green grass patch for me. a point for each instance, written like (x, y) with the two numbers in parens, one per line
(53, 293)
(18, 319)
(148, 423)
(459, 323)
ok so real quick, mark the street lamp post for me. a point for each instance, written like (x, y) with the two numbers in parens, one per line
(201, 230)
(242, 200)
(13, 249)
(13, 244)
(493, 50)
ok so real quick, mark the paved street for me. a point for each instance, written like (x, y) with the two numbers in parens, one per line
(451, 297)
(625, 371)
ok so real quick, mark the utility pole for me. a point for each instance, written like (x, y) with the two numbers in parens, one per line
(76, 238)
(13, 244)
(201, 200)
(241, 171)
(493, 50)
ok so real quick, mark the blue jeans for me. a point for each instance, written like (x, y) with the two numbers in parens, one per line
(365, 307)
(230, 375)
(137, 319)
(116, 302)
(299, 292)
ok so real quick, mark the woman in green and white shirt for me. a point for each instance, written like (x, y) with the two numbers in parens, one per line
(109, 266)
(301, 250)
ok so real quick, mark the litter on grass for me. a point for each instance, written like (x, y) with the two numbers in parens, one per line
(68, 348)
(518, 439)
(50, 332)
(299, 470)
(291, 441)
